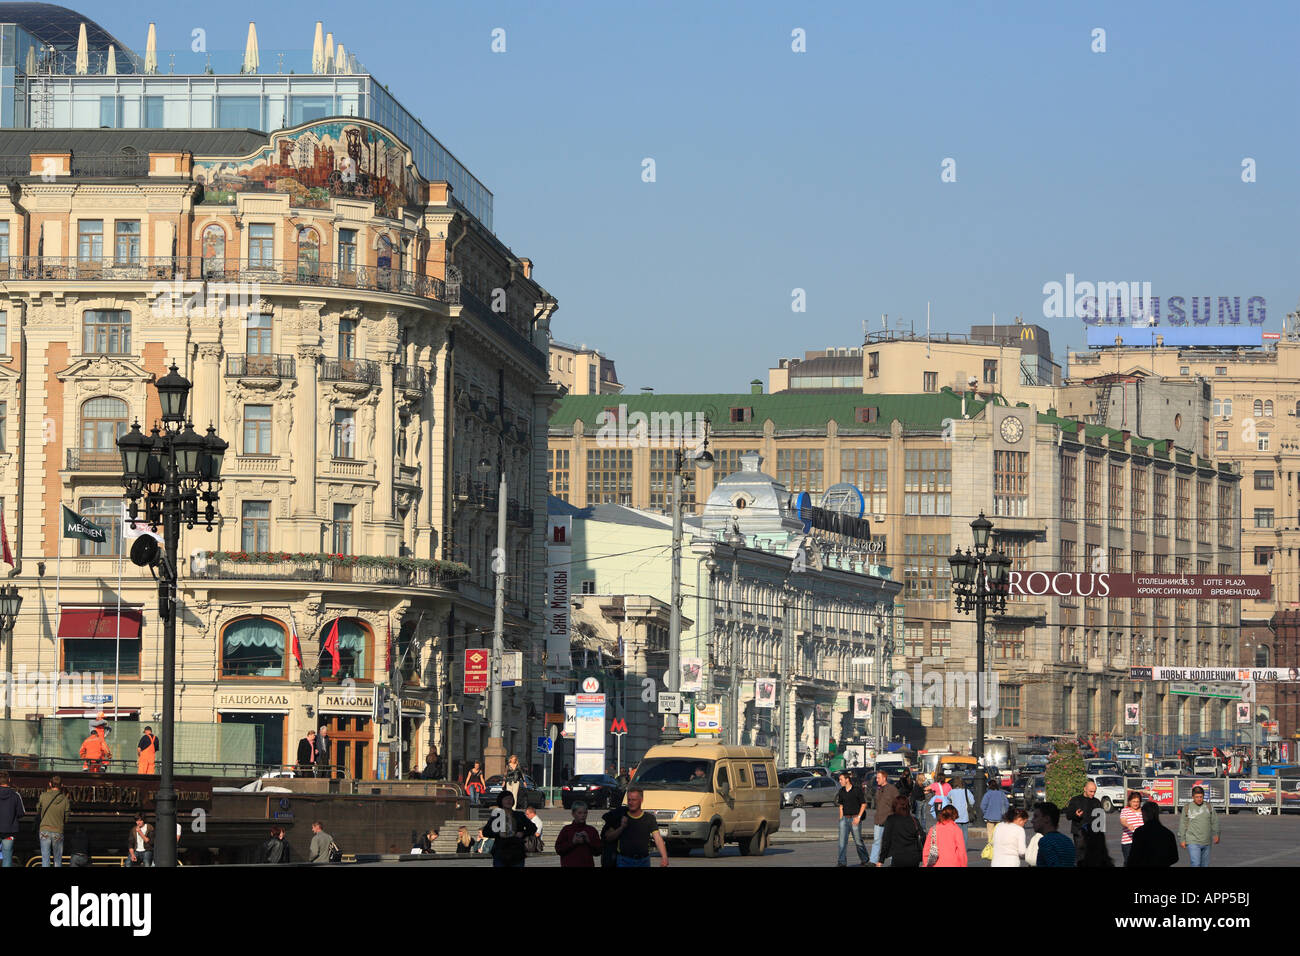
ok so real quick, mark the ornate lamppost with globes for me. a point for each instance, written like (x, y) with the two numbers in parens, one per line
(169, 472)
(979, 577)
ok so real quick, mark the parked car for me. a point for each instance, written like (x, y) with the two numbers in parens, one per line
(809, 791)
(792, 773)
(1110, 790)
(529, 795)
(1109, 767)
(594, 789)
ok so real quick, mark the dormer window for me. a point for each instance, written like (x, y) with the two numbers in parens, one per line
(742, 415)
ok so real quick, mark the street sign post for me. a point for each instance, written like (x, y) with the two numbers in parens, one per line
(618, 728)
(670, 703)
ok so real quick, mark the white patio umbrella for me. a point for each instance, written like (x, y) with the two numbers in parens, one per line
(341, 60)
(111, 67)
(151, 51)
(83, 52)
(329, 53)
(250, 50)
(318, 50)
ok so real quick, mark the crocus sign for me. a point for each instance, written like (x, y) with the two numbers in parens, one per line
(1191, 587)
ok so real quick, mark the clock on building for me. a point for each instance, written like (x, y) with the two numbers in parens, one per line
(1012, 429)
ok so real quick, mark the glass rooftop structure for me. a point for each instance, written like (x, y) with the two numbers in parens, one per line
(41, 88)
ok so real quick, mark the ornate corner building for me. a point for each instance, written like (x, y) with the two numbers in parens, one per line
(376, 359)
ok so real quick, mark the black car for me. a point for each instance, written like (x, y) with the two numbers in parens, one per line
(1030, 789)
(593, 789)
(529, 795)
(792, 773)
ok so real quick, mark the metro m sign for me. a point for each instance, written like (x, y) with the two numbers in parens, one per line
(1187, 587)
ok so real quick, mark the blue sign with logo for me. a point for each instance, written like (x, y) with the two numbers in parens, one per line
(544, 745)
(1102, 336)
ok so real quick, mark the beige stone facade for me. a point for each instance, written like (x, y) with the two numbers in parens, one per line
(583, 371)
(359, 374)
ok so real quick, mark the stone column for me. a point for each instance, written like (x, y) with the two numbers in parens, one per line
(384, 435)
(207, 388)
(304, 450)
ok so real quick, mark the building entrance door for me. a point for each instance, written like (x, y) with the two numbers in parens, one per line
(350, 742)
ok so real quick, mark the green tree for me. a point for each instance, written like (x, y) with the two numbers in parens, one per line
(1065, 774)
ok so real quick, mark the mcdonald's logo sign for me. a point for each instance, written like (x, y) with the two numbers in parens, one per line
(619, 726)
(1028, 332)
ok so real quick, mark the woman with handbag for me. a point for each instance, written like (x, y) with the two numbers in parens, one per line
(901, 840)
(945, 845)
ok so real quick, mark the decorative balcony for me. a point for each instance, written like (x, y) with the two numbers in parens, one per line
(194, 268)
(79, 460)
(411, 378)
(361, 371)
(331, 568)
(260, 366)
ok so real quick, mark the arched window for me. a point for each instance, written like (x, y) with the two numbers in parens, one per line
(1261, 655)
(253, 647)
(1268, 408)
(214, 250)
(308, 254)
(103, 422)
(1259, 408)
(353, 650)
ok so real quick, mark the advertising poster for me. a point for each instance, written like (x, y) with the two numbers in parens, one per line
(764, 693)
(1215, 790)
(589, 743)
(1131, 715)
(1252, 793)
(1159, 790)
(692, 675)
(861, 706)
(708, 720)
(559, 530)
(570, 715)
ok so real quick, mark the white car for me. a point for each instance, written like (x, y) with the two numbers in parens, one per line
(1110, 790)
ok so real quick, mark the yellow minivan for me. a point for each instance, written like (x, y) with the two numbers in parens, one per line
(708, 794)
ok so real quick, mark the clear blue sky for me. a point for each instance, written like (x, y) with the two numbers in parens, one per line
(821, 170)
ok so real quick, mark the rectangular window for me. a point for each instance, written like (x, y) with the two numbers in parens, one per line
(1092, 491)
(4, 239)
(990, 371)
(1225, 516)
(940, 641)
(101, 656)
(257, 429)
(927, 481)
(110, 112)
(348, 251)
(662, 461)
(1264, 481)
(1220, 441)
(1263, 517)
(303, 109)
(1017, 549)
(255, 526)
(609, 476)
(345, 430)
(1185, 370)
(557, 472)
(1261, 441)
(868, 469)
(592, 386)
(1203, 526)
(152, 114)
(347, 338)
(726, 461)
(261, 246)
(1220, 370)
(1115, 503)
(1008, 706)
(1069, 487)
(1138, 505)
(589, 586)
(4, 330)
(127, 246)
(1182, 506)
(1160, 510)
(90, 240)
(105, 513)
(1011, 483)
(800, 469)
(342, 536)
(258, 336)
(914, 640)
(925, 566)
(1263, 557)
(873, 365)
(239, 112)
(106, 332)
(739, 415)
(929, 381)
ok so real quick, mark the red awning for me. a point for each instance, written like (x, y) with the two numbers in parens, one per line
(100, 622)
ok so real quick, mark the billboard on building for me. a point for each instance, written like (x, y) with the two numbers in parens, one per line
(559, 531)
(1186, 587)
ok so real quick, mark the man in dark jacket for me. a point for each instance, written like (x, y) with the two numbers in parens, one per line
(307, 753)
(11, 815)
(276, 849)
(1084, 813)
(886, 794)
(1153, 844)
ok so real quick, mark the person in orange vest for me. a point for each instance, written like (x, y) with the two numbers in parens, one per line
(146, 751)
(95, 752)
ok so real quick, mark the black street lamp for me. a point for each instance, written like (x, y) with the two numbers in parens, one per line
(171, 470)
(10, 602)
(979, 584)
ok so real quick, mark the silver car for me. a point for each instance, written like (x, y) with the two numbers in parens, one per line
(809, 791)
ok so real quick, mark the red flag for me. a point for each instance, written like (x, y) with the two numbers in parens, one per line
(332, 645)
(297, 651)
(388, 655)
(4, 537)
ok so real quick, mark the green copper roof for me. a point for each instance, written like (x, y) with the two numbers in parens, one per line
(787, 410)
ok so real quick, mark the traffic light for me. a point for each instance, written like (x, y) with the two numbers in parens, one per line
(385, 711)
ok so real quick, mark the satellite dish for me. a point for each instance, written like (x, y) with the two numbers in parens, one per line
(845, 498)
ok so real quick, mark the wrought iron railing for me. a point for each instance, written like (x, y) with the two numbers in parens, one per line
(410, 377)
(260, 366)
(194, 268)
(79, 460)
(84, 164)
(215, 567)
(350, 370)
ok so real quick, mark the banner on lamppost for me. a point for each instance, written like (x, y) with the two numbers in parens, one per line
(861, 706)
(1132, 712)
(764, 693)
(1243, 713)
(692, 681)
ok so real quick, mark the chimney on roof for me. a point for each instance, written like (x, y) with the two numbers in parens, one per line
(751, 461)
(755, 387)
